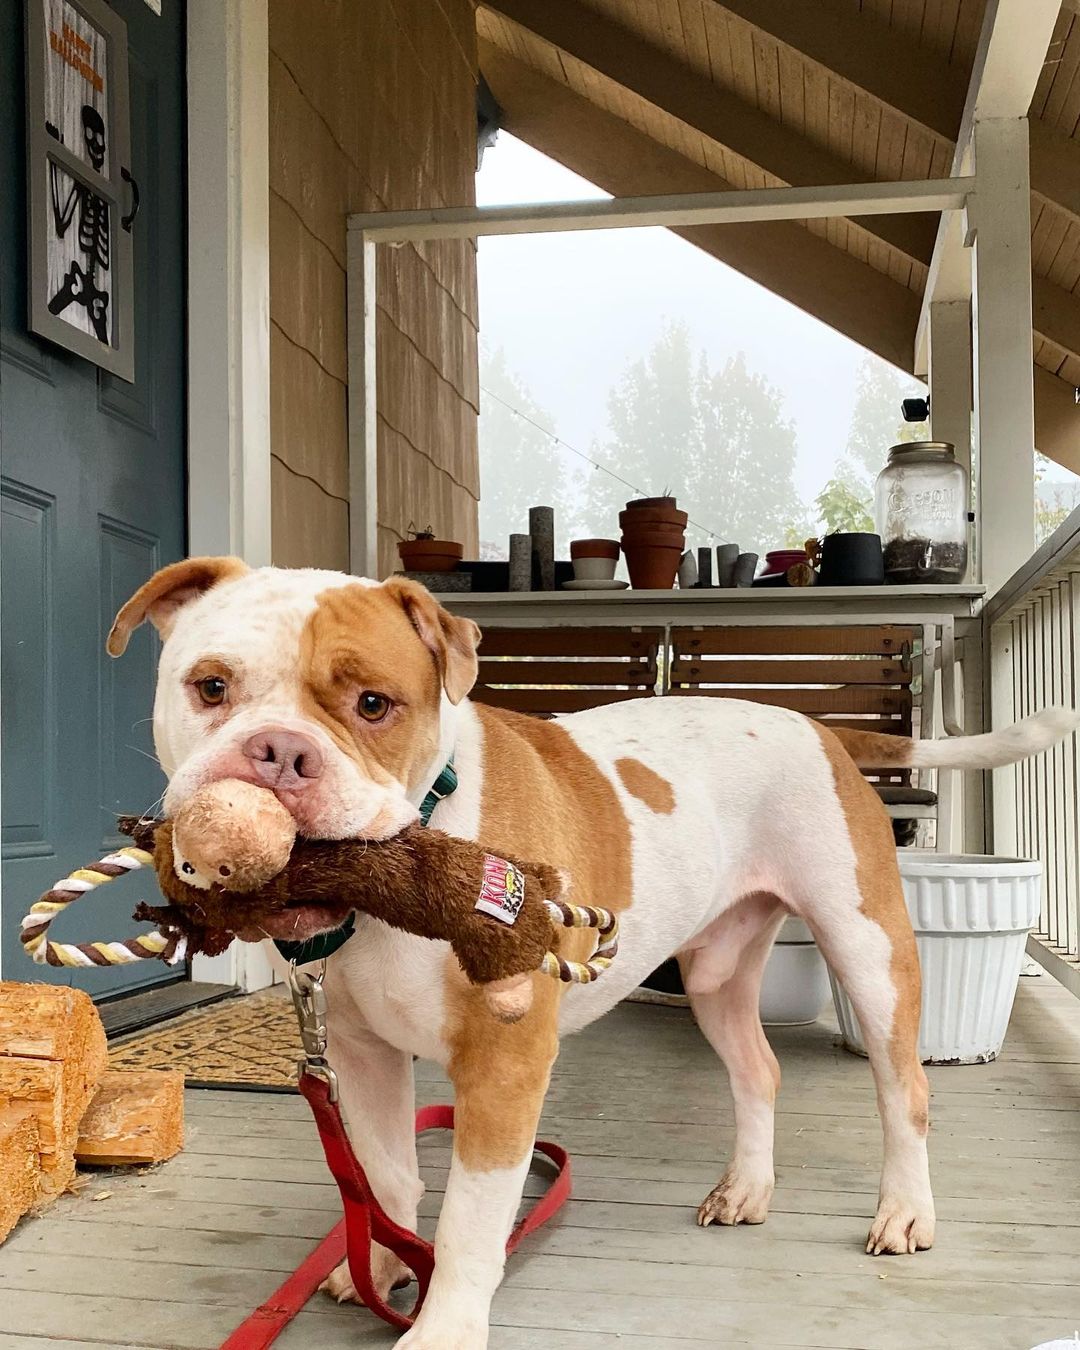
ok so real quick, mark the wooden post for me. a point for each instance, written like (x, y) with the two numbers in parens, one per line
(363, 404)
(1001, 323)
(950, 376)
(950, 381)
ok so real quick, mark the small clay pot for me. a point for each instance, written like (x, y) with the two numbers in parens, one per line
(430, 555)
(642, 503)
(594, 548)
(652, 567)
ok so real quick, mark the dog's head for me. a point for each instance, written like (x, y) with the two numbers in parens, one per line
(335, 693)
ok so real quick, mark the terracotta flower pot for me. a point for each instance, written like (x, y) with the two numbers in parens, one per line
(429, 555)
(660, 536)
(652, 515)
(652, 567)
(594, 548)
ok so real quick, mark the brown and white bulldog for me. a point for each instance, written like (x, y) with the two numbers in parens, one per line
(702, 821)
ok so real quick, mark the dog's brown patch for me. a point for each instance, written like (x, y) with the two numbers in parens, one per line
(360, 638)
(882, 899)
(544, 798)
(874, 749)
(646, 785)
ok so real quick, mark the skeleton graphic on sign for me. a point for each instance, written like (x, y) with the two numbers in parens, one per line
(80, 285)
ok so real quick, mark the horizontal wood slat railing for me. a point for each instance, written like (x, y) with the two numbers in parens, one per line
(857, 676)
(634, 673)
(546, 671)
(796, 672)
(852, 640)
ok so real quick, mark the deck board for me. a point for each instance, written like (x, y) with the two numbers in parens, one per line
(214, 1232)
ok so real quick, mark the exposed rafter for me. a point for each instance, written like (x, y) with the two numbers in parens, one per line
(1055, 167)
(787, 259)
(659, 79)
(1057, 420)
(1055, 315)
(866, 54)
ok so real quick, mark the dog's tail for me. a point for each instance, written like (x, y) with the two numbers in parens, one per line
(874, 750)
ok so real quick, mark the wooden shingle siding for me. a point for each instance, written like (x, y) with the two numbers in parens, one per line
(372, 107)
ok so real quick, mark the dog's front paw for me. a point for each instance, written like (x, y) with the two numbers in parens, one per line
(738, 1197)
(386, 1270)
(439, 1334)
(901, 1228)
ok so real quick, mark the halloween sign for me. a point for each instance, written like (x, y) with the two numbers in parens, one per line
(83, 198)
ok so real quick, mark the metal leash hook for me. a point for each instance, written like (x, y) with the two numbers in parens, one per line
(309, 1000)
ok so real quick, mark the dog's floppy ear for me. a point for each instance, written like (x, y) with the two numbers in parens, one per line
(452, 641)
(166, 591)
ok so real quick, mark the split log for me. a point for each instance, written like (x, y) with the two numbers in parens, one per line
(20, 1164)
(137, 1116)
(52, 1056)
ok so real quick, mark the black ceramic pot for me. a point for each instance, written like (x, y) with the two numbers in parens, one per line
(851, 560)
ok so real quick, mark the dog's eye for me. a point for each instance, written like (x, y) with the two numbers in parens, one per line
(212, 690)
(372, 707)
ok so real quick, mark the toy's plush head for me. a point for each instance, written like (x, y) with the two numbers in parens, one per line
(231, 834)
(334, 693)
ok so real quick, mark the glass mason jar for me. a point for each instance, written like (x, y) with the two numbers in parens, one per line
(921, 504)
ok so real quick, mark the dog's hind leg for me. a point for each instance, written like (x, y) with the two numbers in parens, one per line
(852, 899)
(723, 980)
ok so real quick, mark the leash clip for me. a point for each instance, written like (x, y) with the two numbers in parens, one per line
(309, 1000)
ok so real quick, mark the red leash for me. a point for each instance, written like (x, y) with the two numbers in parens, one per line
(366, 1221)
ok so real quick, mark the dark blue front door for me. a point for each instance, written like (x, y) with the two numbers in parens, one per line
(93, 502)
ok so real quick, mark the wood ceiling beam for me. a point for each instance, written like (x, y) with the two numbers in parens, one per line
(1055, 315)
(718, 114)
(786, 258)
(1055, 167)
(866, 54)
(1057, 419)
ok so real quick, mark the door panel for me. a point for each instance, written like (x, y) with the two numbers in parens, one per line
(93, 502)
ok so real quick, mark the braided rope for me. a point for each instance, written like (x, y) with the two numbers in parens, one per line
(582, 916)
(33, 935)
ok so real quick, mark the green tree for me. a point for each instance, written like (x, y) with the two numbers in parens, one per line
(846, 502)
(521, 463)
(717, 440)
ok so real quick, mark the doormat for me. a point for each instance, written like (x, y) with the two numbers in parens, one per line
(247, 1043)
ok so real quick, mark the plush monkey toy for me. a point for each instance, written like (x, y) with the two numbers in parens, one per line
(231, 858)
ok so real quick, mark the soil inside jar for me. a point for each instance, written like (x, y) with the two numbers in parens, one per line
(922, 561)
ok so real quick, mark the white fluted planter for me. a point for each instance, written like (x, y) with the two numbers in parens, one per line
(795, 986)
(971, 916)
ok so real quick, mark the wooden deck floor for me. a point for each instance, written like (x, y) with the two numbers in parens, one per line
(177, 1256)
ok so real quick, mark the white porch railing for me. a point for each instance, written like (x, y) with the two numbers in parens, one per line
(1033, 637)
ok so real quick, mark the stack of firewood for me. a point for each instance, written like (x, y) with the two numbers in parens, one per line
(61, 1105)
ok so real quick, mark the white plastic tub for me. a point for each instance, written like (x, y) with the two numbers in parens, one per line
(971, 916)
(795, 986)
